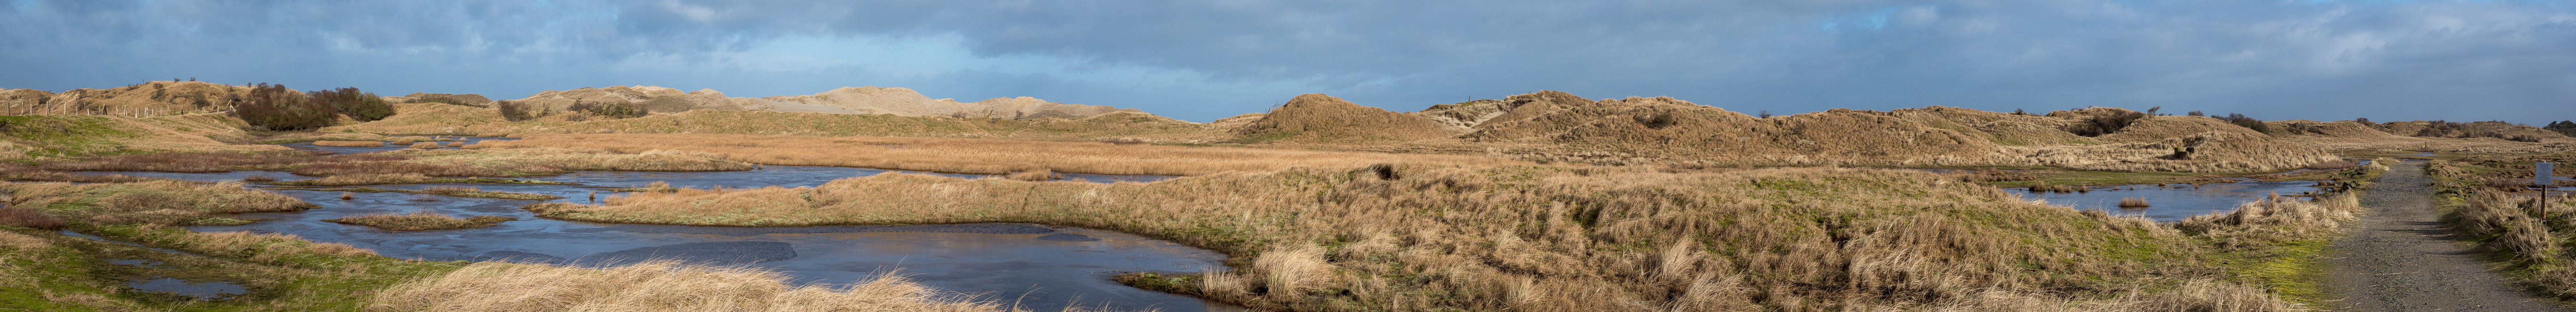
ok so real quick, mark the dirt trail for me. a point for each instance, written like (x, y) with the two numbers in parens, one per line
(2399, 258)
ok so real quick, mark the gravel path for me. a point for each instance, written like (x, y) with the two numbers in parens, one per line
(2399, 258)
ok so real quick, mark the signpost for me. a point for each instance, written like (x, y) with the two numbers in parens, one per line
(2540, 175)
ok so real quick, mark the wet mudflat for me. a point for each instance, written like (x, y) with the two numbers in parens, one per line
(2171, 202)
(1038, 267)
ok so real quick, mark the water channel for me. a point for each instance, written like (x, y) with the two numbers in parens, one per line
(1036, 267)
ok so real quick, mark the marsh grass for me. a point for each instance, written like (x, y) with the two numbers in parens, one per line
(15, 172)
(409, 178)
(425, 145)
(456, 191)
(1035, 175)
(420, 221)
(1553, 239)
(2133, 202)
(350, 143)
(661, 286)
(163, 202)
(979, 156)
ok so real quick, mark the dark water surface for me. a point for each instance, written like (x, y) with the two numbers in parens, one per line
(1038, 267)
(199, 290)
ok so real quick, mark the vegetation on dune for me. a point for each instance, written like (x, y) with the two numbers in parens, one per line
(48, 137)
(420, 221)
(979, 156)
(661, 286)
(1420, 237)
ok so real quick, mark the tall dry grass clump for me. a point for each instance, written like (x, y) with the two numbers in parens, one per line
(22, 242)
(2512, 229)
(350, 143)
(161, 202)
(658, 286)
(979, 156)
(368, 179)
(425, 145)
(2133, 202)
(257, 247)
(1429, 237)
(2274, 218)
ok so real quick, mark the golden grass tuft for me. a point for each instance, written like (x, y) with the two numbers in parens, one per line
(405, 140)
(258, 247)
(456, 144)
(2274, 219)
(2133, 202)
(425, 145)
(979, 156)
(350, 143)
(1550, 238)
(491, 134)
(420, 221)
(658, 286)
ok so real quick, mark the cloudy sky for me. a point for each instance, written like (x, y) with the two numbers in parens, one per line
(1207, 59)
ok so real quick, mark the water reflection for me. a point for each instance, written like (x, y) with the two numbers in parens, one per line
(2172, 202)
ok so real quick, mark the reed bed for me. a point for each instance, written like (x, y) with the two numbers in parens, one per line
(1427, 237)
(2133, 202)
(350, 143)
(980, 156)
(660, 286)
(420, 221)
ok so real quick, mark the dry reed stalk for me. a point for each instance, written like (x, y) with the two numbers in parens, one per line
(425, 145)
(1537, 238)
(350, 143)
(2133, 202)
(980, 156)
(659, 286)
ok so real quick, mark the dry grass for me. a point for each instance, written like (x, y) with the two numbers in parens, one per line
(2133, 202)
(420, 221)
(2274, 219)
(155, 202)
(456, 144)
(15, 172)
(405, 140)
(1553, 239)
(425, 145)
(1035, 175)
(192, 162)
(2338, 164)
(2512, 229)
(28, 218)
(256, 247)
(980, 156)
(562, 160)
(491, 134)
(22, 242)
(658, 286)
(350, 143)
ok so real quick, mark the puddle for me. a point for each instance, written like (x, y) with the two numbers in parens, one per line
(199, 290)
(2167, 204)
(389, 146)
(1035, 266)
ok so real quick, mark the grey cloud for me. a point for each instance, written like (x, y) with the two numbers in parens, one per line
(2471, 60)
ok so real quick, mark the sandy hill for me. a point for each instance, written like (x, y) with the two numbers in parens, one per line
(1550, 125)
(2426, 136)
(70, 136)
(158, 98)
(1317, 118)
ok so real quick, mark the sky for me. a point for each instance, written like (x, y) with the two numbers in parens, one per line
(1201, 60)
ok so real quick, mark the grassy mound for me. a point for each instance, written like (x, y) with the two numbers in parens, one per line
(420, 221)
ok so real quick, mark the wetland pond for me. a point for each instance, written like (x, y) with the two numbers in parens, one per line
(1036, 267)
(2171, 202)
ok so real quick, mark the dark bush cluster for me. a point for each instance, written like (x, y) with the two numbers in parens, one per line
(358, 105)
(614, 110)
(2248, 122)
(275, 108)
(2567, 128)
(522, 111)
(2107, 124)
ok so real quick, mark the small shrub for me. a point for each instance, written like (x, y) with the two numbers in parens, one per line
(21, 216)
(519, 111)
(273, 107)
(2107, 124)
(611, 110)
(2248, 122)
(358, 105)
